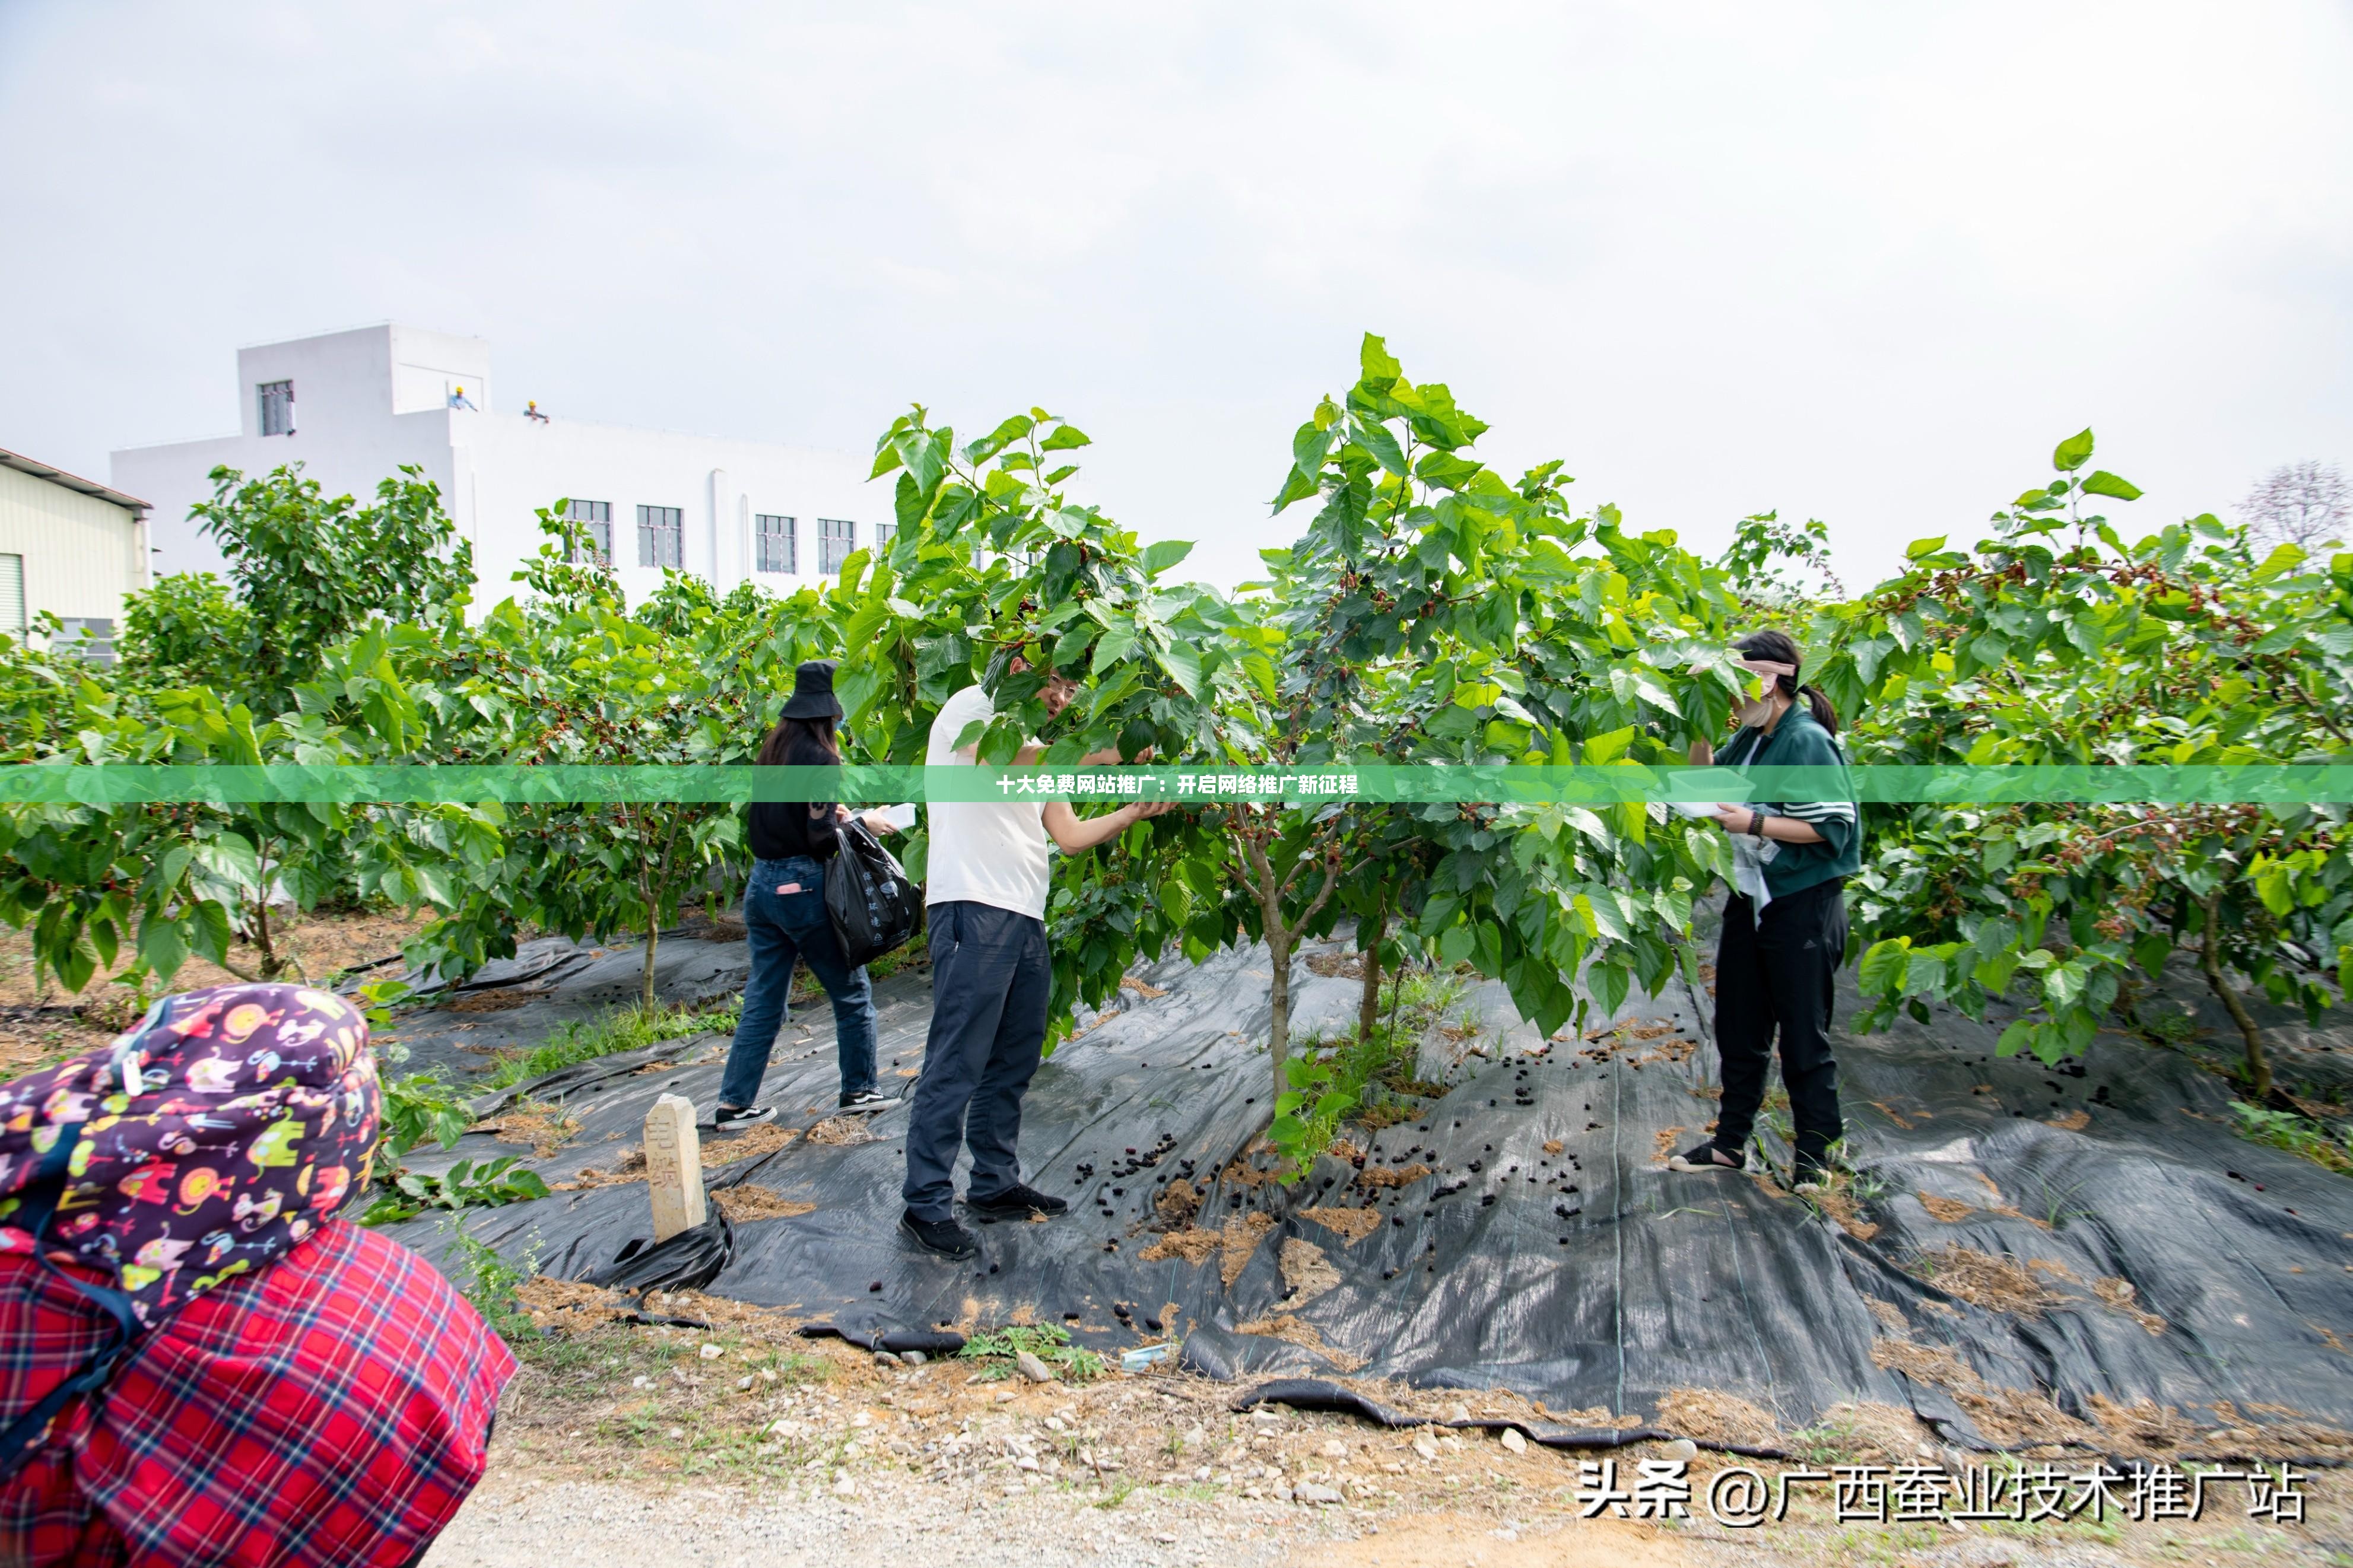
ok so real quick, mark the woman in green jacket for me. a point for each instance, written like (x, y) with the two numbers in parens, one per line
(1785, 922)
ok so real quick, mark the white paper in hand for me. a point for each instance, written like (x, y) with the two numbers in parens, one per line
(902, 818)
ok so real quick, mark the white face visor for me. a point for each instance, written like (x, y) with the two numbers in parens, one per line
(1765, 670)
(1756, 707)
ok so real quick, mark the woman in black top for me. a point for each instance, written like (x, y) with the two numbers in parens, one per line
(784, 912)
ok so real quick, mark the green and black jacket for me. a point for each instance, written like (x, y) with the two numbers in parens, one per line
(1797, 742)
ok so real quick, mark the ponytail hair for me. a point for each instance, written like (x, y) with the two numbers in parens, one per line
(1820, 706)
(1775, 647)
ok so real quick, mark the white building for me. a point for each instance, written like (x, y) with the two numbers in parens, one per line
(352, 406)
(70, 547)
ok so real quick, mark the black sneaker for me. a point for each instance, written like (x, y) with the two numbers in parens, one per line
(1708, 1157)
(728, 1117)
(944, 1236)
(865, 1102)
(1021, 1201)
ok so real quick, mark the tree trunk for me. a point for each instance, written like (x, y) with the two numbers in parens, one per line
(1368, 1008)
(1269, 887)
(1396, 997)
(269, 967)
(646, 992)
(653, 893)
(2259, 1065)
(1278, 1034)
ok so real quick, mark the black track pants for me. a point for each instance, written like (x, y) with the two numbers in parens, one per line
(991, 981)
(1778, 973)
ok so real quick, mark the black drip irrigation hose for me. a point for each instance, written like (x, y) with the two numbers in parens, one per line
(1315, 1393)
(898, 1342)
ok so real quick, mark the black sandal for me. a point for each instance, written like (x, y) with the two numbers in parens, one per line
(1708, 1157)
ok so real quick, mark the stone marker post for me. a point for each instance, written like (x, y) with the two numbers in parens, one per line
(674, 1166)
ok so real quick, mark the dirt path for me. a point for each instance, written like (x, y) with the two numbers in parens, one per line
(645, 1447)
(516, 1521)
(524, 1517)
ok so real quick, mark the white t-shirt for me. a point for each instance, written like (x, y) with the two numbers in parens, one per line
(983, 852)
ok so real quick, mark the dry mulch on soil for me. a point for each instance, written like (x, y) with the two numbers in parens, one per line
(43, 1023)
(1306, 1272)
(1236, 1240)
(1295, 1330)
(545, 1128)
(1840, 1207)
(1390, 1176)
(765, 1139)
(839, 1131)
(751, 1201)
(1353, 1225)
(1177, 1205)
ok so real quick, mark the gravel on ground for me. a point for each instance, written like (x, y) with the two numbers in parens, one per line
(729, 1439)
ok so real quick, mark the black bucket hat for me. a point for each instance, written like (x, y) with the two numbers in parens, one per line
(813, 695)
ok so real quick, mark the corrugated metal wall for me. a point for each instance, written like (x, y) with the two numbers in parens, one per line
(80, 553)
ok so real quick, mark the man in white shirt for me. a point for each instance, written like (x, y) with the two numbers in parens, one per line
(987, 879)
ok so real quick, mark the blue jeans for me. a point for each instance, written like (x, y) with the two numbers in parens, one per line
(783, 927)
(991, 981)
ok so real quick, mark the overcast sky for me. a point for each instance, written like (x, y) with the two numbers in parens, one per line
(1862, 262)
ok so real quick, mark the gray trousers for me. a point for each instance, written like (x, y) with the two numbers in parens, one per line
(991, 981)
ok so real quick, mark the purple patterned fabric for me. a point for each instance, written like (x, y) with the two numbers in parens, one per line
(223, 1130)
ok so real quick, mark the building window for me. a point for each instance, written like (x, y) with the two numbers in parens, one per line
(775, 544)
(277, 407)
(89, 639)
(595, 519)
(835, 540)
(884, 532)
(661, 536)
(12, 595)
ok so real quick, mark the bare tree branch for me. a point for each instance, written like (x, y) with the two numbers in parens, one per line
(2304, 504)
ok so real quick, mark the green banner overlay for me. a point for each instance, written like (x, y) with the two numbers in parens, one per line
(40, 783)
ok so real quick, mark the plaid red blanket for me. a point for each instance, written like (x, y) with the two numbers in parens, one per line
(332, 1410)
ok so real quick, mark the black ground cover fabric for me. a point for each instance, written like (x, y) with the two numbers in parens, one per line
(686, 1261)
(517, 1003)
(1589, 1277)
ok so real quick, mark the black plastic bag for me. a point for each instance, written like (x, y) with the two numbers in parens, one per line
(873, 908)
